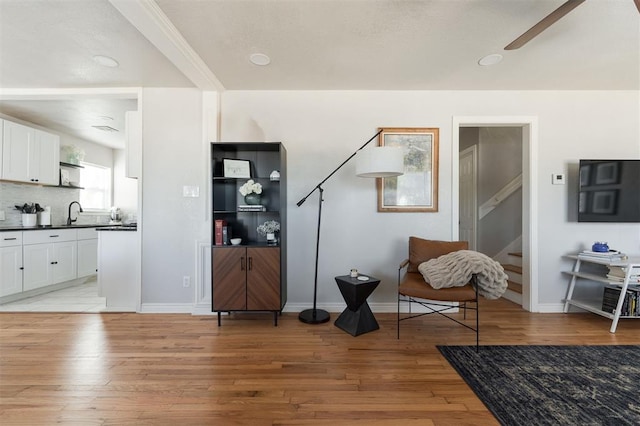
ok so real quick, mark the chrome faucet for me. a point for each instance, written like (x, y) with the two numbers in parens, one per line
(69, 220)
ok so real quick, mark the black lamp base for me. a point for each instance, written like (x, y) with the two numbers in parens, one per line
(314, 316)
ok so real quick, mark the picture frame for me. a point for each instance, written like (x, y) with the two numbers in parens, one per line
(236, 168)
(417, 189)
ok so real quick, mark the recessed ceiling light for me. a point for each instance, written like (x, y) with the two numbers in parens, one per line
(492, 59)
(259, 59)
(105, 61)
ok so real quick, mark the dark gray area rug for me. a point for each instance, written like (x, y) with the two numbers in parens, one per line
(553, 385)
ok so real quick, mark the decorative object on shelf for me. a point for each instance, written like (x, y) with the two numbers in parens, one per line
(600, 247)
(274, 176)
(64, 177)
(417, 189)
(236, 241)
(73, 154)
(269, 230)
(236, 168)
(389, 164)
(251, 191)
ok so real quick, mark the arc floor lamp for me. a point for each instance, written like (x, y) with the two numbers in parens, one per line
(378, 162)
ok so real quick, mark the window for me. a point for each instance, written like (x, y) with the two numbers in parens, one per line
(96, 181)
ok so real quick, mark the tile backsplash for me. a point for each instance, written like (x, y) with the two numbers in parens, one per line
(12, 194)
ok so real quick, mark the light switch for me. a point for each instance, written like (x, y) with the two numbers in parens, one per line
(2, 216)
(557, 179)
(191, 191)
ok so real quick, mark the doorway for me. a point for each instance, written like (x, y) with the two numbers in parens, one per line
(462, 186)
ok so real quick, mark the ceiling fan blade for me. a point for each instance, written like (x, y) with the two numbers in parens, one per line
(637, 2)
(545, 23)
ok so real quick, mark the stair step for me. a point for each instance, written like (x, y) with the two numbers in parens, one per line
(513, 268)
(514, 286)
(515, 254)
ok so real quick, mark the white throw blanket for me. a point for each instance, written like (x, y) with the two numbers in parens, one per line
(455, 270)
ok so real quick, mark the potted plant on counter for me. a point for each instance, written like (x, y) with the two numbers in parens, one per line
(29, 213)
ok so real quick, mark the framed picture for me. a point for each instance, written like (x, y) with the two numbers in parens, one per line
(604, 202)
(607, 173)
(236, 168)
(417, 189)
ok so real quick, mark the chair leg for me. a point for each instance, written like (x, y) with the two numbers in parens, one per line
(477, 319)
(398, 330)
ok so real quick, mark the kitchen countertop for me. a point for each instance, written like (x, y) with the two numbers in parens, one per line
(118, 228)
(41, 228)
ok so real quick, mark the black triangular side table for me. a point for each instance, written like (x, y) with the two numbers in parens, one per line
(357, 318)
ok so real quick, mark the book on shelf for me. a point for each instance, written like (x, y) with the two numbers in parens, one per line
(633, 279)
(611, 255)
(252, 208)
(226, 235)
(219, 224)
(630, 304)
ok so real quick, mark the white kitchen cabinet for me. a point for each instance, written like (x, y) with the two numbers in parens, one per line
(87, 252)
(49, 257)
(133, 141)
(10, 263)
(29, 155)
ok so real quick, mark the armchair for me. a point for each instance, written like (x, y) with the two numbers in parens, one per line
(412, 287)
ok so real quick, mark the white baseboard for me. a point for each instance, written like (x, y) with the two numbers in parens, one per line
(166, 308)
(513, 296)
(550, 308)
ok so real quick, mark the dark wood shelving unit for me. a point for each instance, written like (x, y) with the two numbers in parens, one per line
(250, 276)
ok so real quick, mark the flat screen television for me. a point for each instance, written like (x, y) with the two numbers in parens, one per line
(609, 191)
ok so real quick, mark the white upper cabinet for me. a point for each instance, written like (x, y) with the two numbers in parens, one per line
(133, 159)
(29, 155)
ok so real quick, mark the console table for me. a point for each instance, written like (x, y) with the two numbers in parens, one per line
(357, 318)
(632, 263)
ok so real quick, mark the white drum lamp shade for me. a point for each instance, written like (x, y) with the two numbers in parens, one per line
(380, 162)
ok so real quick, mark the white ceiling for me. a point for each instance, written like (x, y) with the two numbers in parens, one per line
(313, 45)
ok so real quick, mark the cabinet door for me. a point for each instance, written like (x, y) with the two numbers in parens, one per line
(18, 141)
(263, 278)
(10, 270)
(66, 266)
(229, 278)
(38, 270)
(45, 158)
(87, 257)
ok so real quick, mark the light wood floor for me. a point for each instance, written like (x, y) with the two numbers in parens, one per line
(148, 369)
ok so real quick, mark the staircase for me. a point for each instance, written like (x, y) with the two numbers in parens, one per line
(513, 270)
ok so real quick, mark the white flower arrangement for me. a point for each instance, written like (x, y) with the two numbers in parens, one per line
(269, 227)
(250, 187)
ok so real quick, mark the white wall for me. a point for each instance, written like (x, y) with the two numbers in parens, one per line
(321, 128)
(174, 154)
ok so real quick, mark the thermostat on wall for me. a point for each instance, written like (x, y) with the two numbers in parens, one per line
(557, 179)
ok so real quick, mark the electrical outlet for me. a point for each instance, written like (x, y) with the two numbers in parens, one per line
(2, 216)
(186, 281)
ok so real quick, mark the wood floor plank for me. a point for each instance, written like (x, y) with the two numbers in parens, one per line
(172, 369)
